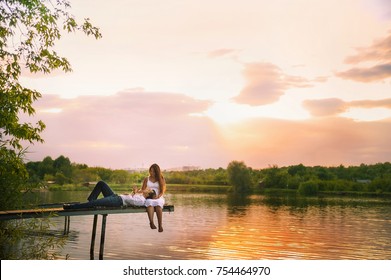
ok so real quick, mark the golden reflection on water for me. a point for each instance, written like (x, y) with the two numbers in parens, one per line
(260, 232)
(216, 227)
(255, 235)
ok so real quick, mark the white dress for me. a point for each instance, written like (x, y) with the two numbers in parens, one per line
(154, 202)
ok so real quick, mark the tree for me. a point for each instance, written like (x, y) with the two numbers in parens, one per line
(309, 188)
(275, 177)
(46, 167)
(103, 173)
(120, 176)
(28, 33)
(63, 165)
(84, 175)
(29, 30)
(239, 176)
(299, 170)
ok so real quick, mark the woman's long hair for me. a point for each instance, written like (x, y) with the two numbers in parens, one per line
(159, 176)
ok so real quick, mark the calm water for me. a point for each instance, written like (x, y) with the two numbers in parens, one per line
(215, 226)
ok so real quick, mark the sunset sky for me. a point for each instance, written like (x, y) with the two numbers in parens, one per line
(203, 83)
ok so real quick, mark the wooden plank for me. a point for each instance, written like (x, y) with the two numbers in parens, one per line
(104, 211)
(45, 212)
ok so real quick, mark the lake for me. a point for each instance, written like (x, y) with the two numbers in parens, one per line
(219, 226)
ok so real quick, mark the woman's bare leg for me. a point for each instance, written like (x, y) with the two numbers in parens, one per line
(159, 214)
(150, 211)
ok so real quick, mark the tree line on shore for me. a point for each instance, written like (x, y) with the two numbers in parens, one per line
(305, 179)
(29, 46)
(29, 31)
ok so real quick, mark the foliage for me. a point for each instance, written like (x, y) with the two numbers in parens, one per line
(120, 176)
(29, 239)
(239, 177)
(13, 175)
(308, 188)
(381, 184)
(208, 176)
(374, 178)
(28, 33)
(363, 178)
(275, 177)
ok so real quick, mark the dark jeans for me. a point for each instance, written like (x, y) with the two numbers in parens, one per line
(110, 199)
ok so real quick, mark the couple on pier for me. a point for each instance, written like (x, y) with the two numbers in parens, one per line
(150, 195)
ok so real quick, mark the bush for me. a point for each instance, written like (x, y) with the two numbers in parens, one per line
(293, 182)
(380, 184)
(239, 177)
(309, 188)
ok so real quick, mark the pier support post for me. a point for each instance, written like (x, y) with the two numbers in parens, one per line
(102, 236)
(67, 224)
(93, 237)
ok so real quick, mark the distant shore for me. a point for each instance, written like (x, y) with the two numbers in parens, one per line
(221, 189)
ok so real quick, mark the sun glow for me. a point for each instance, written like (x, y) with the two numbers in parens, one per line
(51, 110)
(367, 115)
(233, 113)
(225, 113)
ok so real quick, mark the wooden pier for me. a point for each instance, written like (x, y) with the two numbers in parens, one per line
(55, 210)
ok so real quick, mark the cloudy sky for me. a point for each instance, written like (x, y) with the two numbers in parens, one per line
(203, 83)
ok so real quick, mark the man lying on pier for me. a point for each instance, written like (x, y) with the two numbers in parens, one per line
(110, 199)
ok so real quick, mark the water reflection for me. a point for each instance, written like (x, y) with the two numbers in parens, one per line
(304, 228)
(214, 226)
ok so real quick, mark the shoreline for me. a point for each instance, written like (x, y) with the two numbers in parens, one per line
(225, 189)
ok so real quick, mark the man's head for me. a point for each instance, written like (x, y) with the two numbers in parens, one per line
(149, 193)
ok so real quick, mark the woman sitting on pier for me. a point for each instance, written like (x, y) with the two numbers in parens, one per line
(156, 182)
(110, 199)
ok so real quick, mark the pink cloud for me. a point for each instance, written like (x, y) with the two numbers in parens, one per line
(325, 141)
(366, 75)
(221, 52)
(134, 128)
(334, 106)
(379, 53)
(266, 83)
(383, 103)
(128, 129)
(325, 107)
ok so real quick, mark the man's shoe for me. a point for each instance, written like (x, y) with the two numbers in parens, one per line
(67, 206)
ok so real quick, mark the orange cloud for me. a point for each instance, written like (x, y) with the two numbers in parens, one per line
(325, 107)
(335, 106)
(266, 83)
(366, 75)
(325, 141)
(380, 53)
(137, 127)
(221, 52)
(128, 129)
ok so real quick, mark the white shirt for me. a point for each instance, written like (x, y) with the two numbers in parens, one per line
(133, 200)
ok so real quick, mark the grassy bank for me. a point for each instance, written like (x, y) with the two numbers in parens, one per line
(126, 188)
(198, 188)
(183, 188)
(278, 192)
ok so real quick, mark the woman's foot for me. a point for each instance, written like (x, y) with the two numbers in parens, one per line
(152, 225)
(160, 229)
